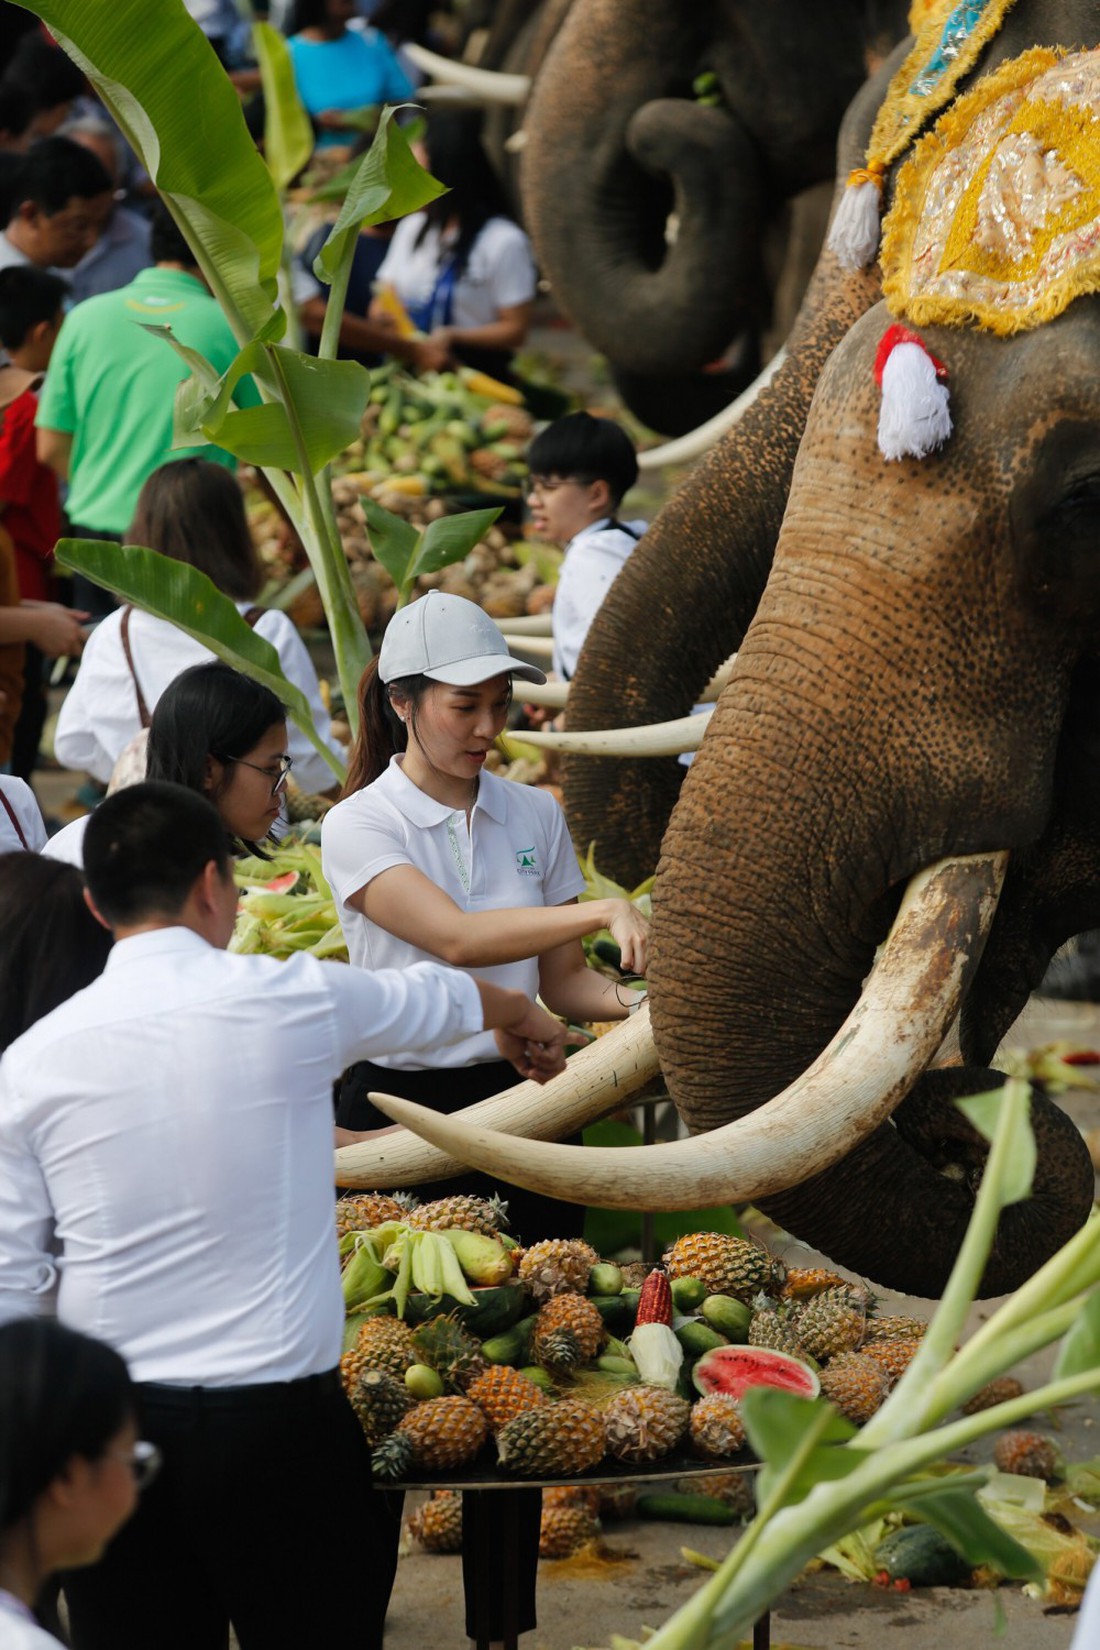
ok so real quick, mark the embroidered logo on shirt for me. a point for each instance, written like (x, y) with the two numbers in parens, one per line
(525, 862)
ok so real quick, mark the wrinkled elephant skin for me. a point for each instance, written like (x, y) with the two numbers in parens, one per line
(919, 680)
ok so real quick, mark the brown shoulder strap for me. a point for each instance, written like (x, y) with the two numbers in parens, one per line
(252, 616)
(142, 707)
(11, 813)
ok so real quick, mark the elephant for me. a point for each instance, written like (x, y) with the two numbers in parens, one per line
(615, 141)
(917, 681)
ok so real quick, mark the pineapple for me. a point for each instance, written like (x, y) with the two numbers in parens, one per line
(734, 1488)
(616, 1500)
(999, 1391)
(727, 1265)
(1027, 1453)
(645, 1423)
(634, 1273)
(489, 1216)
(486, 463)
(383, 1343)
(775, 1329)
(803, 1282)
(574, 1495)
(557, 1441)
(830, 1323)
(568, 1331)
(362, 1213)
(893, 1357)
(565, 1530)
(717, 1430)
(444, 1433)
(502, 1392)
(896, 1329)
(856, 1385)
(445, 1346)
(520, 424)
(557, 1266)
(437, 1525)
(381, 1402)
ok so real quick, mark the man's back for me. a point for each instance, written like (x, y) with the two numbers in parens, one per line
(111, 386)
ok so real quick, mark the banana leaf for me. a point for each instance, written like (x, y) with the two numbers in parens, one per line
(161, 79)
(188, 599)
(288, 134)
(405, 553)
(389, 182)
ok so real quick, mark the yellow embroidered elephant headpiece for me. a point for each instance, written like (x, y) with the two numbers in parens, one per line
(995, 221)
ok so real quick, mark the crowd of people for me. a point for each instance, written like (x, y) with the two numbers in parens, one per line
(155, 1335)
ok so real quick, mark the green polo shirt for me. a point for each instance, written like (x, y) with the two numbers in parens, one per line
(111, 386)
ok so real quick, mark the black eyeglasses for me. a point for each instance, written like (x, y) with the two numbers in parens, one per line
(277, 780)
(143, 1461)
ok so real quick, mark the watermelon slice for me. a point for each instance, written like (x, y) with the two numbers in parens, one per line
(283, 884)
(734, 1369)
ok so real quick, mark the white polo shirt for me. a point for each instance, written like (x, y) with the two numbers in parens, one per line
(517, 852)
(99, 715)
(592, 562)
(21, 799)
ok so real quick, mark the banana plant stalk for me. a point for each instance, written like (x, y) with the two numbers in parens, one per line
(821, 1479)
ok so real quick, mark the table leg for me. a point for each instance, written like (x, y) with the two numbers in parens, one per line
(495, 1558)
(762, 1632)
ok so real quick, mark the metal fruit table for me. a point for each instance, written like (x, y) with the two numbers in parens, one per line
(495, 1566)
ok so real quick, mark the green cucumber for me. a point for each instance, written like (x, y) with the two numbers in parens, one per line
(680, 1508)
(536, 1373)
(605, 1279)
(613, 1365)
(510, 1347)
(614, 1311)
(697, 1337)
(688, 1294)
(731, 1316)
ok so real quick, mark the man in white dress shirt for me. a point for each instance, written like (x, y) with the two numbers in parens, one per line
(166, 1184)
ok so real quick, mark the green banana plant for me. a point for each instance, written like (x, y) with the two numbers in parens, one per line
(172, 99)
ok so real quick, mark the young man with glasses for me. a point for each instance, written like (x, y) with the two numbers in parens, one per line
(166, 1183)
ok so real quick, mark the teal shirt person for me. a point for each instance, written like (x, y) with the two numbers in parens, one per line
(357, 70)
(111, 388)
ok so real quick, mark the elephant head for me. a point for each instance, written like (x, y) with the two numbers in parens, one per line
(616, 142)
(920, 681)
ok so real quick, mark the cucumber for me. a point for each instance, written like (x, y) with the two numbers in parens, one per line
(510, 1347)
(614, 1311)
(686, 1509)
(688, 1294)
(605, 1279)
(536, 1373)
(630, 1299)
(730, 1316)
(922, 1556)
(697, 1337)
(614, 1365)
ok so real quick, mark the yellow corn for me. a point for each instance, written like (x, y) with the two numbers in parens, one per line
(395, 309)
(479, 383)
(414, 486)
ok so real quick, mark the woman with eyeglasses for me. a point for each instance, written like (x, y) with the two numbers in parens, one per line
(217, 732)
(193, 511)
(71, 1463)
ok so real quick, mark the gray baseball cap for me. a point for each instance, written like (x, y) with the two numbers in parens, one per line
(451, 640)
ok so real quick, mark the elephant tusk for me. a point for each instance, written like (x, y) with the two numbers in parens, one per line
(700, 441)
(556, 694)
(486, 84)
(659, 739)
(908, 1003)
(531, 624)
(597, 1080)
(536, 647)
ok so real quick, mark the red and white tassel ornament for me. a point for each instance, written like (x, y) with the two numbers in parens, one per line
(854, 232)
(915, 416)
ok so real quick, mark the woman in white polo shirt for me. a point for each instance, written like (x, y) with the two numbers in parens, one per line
(431, 857)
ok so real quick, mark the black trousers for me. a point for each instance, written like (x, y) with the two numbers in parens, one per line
(27, 733)
(530, 1217)
(262, 1515)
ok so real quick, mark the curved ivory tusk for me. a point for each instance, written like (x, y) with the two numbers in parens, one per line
(597, 1080)
(486, 84)
(537, 647)
(555, 695)
(714, 688)
(659, 739)
(531, 624)
(908, 1003)
(699, 441)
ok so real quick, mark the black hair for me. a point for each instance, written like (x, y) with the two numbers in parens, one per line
(27, 296)
(307, 14)
(50, 944)
(456, 157)
(193, 511)
(62, 1394)
(53, 172)
(51, 77)
(381, 733)
(16, 107)
(208, 710)
(579, 447)
(146, 846)
(167, 242)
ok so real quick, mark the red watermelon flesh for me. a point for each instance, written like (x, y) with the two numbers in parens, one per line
(734, 1369)
(284, 884)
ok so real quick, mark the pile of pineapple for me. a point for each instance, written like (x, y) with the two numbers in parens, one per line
(557, 1393)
